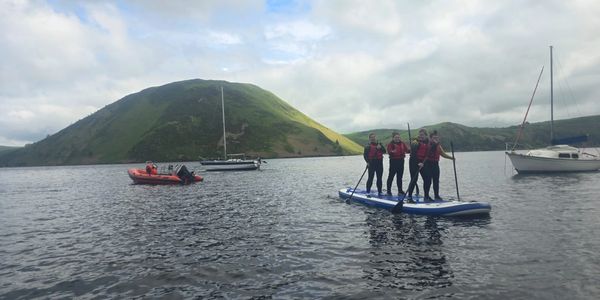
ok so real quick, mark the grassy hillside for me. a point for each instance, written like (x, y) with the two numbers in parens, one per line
(466, 138)
(5, 149)
(182, 121)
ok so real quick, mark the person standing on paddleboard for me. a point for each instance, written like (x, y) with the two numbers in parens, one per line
(431, 166)
(397, 151)
(418, 152)
(373, 155)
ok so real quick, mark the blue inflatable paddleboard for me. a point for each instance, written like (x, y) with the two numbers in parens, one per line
(420, 207)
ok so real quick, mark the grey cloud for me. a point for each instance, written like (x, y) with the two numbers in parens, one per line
(346, 64)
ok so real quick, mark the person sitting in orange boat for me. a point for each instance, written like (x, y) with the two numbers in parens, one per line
(151, 168)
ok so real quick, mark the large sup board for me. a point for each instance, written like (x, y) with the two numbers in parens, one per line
(420, 207)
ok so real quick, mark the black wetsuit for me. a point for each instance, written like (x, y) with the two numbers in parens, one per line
(374, 157)
(431, 169)
(413, 166)
(396, 166)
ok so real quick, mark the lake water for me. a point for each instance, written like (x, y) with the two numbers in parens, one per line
(283, 233)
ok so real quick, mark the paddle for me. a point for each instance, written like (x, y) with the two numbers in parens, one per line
(411, 154)
(454, 165)
(398, 207)
(356, 186)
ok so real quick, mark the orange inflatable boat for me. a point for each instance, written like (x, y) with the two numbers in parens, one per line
(180, 176)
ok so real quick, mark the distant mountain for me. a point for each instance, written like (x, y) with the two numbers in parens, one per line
(4, 149)
(182, 121)
(465, 138)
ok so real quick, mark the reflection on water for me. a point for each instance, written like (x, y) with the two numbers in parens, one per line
(407, 253)
(472, 222)
(567, 177)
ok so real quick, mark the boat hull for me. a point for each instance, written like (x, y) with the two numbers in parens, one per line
(436, 208)
(226, 165)
(535, 164)
(140, 176)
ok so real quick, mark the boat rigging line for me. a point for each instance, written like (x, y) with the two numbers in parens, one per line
(527, 112)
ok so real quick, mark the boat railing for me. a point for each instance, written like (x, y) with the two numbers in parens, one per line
(241, 156)
(511, 147)
(170, 169)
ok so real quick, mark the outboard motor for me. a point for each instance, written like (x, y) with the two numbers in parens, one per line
(185, 175)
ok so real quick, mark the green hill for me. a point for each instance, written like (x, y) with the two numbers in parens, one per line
(183, 121)
(4, 149)
(465, 138)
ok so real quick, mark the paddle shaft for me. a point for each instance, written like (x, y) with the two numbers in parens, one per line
(454, 165)
(413, 181)
(356, 186)
(398, 207)
(411, 154)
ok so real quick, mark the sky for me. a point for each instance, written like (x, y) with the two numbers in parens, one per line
(350, 65)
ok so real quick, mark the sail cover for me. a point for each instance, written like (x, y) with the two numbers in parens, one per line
(570, 140)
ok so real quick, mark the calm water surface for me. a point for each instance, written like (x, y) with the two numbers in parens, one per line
(282, 233)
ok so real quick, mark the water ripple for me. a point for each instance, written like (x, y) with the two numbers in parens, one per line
(283, 233)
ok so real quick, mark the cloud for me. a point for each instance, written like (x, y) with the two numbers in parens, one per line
(224, 38)
(372, 17)
(351, 65)
(297, 31)
(22, 124)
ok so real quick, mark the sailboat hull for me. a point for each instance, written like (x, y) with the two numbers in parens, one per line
(535, 164)
(230, 165)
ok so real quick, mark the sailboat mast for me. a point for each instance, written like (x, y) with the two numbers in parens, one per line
(551, 99)
(224, 134)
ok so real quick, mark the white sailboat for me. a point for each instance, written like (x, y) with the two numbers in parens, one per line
(559, 157)
(237, 162)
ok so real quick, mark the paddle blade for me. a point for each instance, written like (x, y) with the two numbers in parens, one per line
(398, 208)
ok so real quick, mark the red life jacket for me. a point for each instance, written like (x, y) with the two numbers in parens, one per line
(374, 153)
(434, 153)
(151, 169)
(422, 151)
(400, 150)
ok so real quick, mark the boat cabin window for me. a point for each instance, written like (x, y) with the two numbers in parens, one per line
(564, 155)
